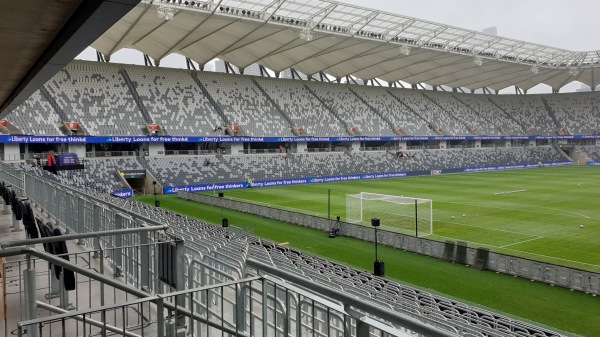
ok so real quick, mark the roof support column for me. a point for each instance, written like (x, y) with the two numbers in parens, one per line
(100, 57)
(148, 61)
(296, 75)
(190, 65)
(229, 68)
(263, 71)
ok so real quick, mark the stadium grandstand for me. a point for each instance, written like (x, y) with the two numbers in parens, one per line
(341, 92)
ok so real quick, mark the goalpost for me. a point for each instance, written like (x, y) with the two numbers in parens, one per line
(403, 214)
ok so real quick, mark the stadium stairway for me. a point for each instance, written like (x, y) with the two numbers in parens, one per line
(579, 157)
(277, 107)
(374, 110)
(412, 110)
(561, 152)
(212, 101)
(552, 114)
(508, 116)
(57, 109)
(327, 107)
(448, 112)
(471, 110)
(136, 97)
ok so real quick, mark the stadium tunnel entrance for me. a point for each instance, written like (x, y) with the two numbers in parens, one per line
(141, 181)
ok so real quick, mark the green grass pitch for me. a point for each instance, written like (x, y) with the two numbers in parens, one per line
(541, 223)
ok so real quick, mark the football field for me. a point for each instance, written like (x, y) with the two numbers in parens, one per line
(541, 221)
(547, 214)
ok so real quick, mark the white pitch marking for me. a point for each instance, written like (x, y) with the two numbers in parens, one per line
(553, 257)
(483, 204)
(491, 229)
(447, 237)
(523, 251)
(516, 243)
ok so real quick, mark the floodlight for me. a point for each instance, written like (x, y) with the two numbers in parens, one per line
(573, 71)
(306, 34)
(405, 49)
(165, 13)
(478, 60)
(534, 69)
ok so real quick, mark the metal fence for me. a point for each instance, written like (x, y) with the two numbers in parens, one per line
(215, 258)
(12, 176)
(89, 293)
(575, 279)
(80, 212)
(269, 307)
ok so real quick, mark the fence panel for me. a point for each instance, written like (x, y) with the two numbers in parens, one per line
(571, 278)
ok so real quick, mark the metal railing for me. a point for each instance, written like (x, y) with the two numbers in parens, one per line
(96, 154)
(12, 176)
(253, 306)
(575, 279)
(81, 212)
(214, 259)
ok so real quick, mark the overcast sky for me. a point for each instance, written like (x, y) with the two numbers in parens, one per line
(571, 25)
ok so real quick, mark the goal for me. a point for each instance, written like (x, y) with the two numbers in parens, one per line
(397, 213)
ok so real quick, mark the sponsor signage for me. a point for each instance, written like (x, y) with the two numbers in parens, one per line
(132, 174)
(299, 181)
(223, 139)
(123, 194)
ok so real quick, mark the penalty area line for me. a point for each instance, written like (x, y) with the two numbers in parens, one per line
(516, 243)
(553, 257)
(485, 228)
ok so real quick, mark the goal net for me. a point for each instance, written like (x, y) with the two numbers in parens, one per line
(396, 213)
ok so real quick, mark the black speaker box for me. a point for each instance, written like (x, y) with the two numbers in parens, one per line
(480, 258)
(378, 268)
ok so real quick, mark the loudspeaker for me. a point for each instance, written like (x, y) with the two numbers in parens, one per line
(378, 268)
(220, 194)
(157, 203)
(225, 222)
(375, 222)
(480, 258)
(448, 253)
(461, 252)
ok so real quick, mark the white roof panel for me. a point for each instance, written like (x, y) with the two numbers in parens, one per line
(341, 40)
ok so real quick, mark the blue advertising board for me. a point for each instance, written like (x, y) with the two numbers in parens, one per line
(123, 194)
(7, 139)
(300, 181)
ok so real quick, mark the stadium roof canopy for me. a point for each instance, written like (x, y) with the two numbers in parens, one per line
(39, 37)
(315, 36)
